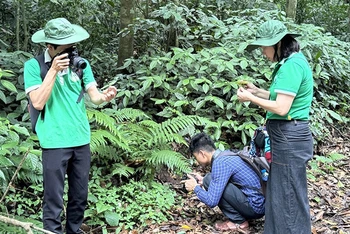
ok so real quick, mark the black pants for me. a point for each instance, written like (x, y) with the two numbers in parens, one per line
(233, 203)
(287, 205)
(56, 163)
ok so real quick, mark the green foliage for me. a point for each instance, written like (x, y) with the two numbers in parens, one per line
(133, 205)
(13, 102)
(25, 203)
(321, 165)
(15, 143)
(199, 77)
(129, 137)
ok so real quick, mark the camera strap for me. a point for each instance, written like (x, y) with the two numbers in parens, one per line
(79, 72)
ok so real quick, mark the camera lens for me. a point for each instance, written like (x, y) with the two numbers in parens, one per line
(79, 62)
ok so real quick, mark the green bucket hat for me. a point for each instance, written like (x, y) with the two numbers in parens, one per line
(269, 34)
(60, 31)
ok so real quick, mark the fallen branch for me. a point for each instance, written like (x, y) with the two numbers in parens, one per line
(25, 225)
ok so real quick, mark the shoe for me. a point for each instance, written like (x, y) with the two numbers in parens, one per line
(230, 226)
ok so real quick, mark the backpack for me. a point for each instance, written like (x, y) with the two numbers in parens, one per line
(44, 67)
(260, 144)
(255, 156)
(258, 165)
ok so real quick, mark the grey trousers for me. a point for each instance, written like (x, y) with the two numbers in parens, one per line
(56, 163)
(233, 203)
(287, 206)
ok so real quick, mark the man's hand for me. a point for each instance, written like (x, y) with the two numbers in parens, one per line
(190, 184)
(60, 62)
(198, 177)
(109, 93)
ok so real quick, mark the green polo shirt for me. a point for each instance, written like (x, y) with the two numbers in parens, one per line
(65, 122)
(293, 77)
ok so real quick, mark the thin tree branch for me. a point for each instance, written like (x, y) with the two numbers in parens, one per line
(14, 175)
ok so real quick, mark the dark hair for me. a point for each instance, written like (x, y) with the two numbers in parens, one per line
(288, 46)
(53, 45)
(201, 141)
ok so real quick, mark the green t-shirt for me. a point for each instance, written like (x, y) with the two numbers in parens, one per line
(65, 121)
(293, 77)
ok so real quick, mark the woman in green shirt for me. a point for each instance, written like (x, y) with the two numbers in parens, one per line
(287, 103)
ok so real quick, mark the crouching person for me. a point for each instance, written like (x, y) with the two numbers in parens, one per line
(231, 185)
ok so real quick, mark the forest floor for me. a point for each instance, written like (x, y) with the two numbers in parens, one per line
(329, 195)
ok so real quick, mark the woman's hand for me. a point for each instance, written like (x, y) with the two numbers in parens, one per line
(244, 95)
(250, 87)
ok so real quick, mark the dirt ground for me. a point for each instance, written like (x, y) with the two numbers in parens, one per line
(329, 195)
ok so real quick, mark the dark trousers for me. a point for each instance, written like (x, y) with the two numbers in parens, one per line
(233, 203)
(75, 162)
(287, 206)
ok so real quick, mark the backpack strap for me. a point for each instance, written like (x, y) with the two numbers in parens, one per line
(249, 162)
(44, 67)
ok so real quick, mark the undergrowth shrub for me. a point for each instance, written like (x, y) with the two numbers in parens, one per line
(201, 80)
(133, 205)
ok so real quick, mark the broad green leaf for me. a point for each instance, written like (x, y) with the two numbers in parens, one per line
(180, 96)
(112, 218)
(180, 103)
(101, 207)
(205, 88)
(21, 130)
(318, 69)
(160, 101)
(218, 102)
(335, 115)
(147, 83)
(20, 96)
(200, 104)
(153, 64)
(5, 162)
(244, 138)
(3, 97)
(243, 64)
(9, 86)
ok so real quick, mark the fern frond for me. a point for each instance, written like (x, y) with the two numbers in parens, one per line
(100, 137)
(102, 119)
(122, 170)
(130, 114)
(173, 160)
(97, 139)
(30, 176)
(166, 131)
(127, 114)
(33, 163)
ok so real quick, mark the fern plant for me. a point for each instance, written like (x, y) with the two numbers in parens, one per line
(129, 142)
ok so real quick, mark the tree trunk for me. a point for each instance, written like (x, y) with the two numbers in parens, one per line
(291, 8)
(18, 5)
(349, 19)
(126, 37)
(25, 28)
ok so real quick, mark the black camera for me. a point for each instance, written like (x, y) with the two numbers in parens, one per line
(75, 61)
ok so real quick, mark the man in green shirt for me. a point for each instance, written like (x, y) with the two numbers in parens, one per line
(63, 131)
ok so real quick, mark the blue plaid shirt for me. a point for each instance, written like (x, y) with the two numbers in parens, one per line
(225, 168)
